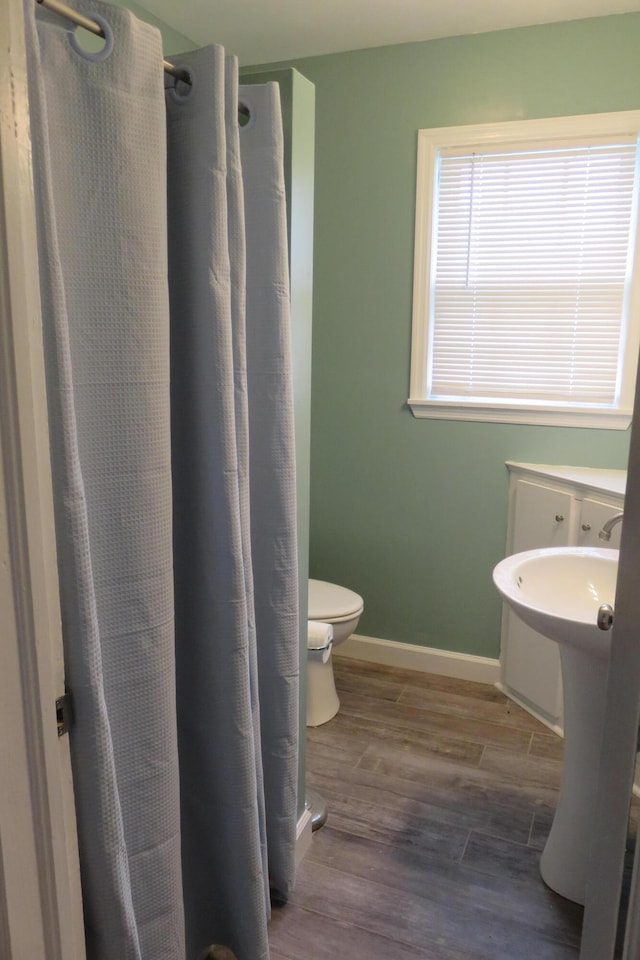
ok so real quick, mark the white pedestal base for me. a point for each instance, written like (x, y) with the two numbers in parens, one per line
(322, 699)
(563, 865)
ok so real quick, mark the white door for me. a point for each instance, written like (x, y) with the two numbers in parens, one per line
(40, 904)
(619, 744)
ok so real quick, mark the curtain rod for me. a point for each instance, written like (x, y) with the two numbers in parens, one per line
(94, 27)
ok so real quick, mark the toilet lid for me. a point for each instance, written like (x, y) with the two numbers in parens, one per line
(328, 601)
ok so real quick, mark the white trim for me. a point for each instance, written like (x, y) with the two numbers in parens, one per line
(40, 903)
(303, 836)
(411, 656)
(424, 409)
(523, 131)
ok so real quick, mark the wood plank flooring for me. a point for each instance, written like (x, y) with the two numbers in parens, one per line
(441, 794)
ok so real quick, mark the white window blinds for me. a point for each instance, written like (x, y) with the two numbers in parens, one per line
(531, 265)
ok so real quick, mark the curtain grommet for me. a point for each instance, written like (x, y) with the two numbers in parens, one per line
(179, 90)
(96, 55)
(246, 114)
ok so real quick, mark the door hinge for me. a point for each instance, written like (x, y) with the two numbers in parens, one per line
(64, 713)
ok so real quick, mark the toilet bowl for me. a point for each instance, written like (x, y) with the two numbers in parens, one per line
(334, 612)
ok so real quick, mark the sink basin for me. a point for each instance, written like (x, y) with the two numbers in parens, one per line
(558, 590)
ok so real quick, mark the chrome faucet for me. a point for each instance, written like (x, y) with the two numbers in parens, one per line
(605, 533)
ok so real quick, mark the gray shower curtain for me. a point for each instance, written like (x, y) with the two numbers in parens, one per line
(164, 280)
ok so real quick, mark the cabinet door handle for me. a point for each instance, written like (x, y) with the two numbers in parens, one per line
(559, 518)
(586, 526)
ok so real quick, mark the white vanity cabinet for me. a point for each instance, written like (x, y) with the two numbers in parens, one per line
(550, 507)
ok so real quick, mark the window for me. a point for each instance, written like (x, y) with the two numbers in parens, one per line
(526, 305)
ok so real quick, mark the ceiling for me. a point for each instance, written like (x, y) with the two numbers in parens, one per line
(263, 31)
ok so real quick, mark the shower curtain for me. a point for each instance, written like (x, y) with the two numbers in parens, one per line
(164, 284)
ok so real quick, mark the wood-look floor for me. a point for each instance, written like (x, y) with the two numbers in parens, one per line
(441, 794)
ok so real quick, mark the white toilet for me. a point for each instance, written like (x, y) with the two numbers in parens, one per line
(333, 616)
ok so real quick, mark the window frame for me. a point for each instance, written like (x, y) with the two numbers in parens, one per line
(546, 131)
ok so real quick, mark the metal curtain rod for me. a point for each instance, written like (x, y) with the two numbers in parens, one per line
(94, 27)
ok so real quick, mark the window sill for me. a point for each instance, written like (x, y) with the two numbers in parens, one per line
(543, 415)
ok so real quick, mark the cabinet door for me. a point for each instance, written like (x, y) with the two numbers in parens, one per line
(543, 517)
(593, 515)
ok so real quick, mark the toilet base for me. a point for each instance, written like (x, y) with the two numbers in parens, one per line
(322, 699)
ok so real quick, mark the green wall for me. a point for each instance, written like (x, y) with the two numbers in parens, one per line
(412, 513)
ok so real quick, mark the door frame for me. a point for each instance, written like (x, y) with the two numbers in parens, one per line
(619, 744)
(40, 900)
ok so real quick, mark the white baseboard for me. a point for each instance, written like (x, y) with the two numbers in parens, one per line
(410, 656)
(303, 836)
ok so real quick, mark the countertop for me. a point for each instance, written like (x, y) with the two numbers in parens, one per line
(590, 478)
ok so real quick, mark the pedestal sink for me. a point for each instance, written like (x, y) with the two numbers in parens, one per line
(559, 592)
